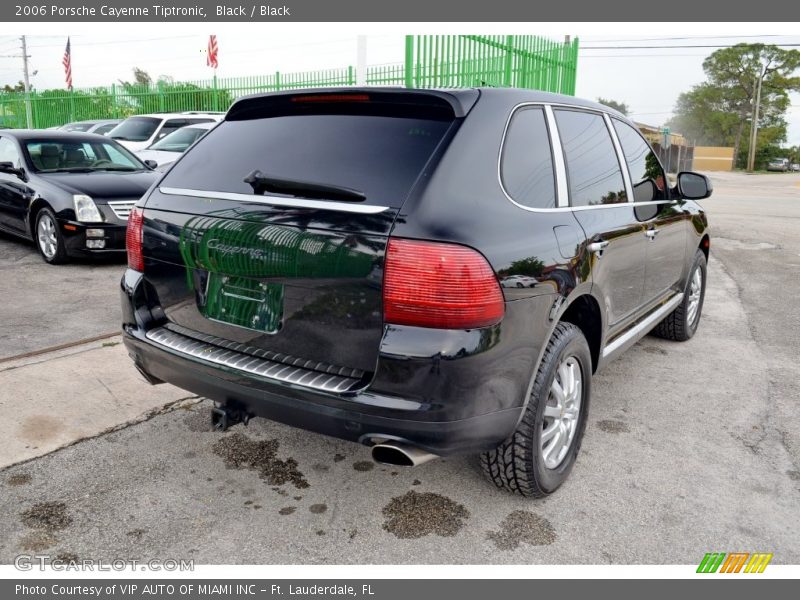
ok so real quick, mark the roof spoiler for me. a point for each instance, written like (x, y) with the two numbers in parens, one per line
(436, 104)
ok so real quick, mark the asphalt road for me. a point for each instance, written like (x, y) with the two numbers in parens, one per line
(690, 448)
(43, 305)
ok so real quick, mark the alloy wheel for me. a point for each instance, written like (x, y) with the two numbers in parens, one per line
(46, 234)
(561, 413)
(695, 291)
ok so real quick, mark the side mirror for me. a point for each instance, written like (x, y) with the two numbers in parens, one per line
(8, 167)
(150, 164)
(694, 186)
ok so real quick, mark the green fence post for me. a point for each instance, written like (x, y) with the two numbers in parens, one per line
(114, 110)
(350, 78)
(161, 96)
(277, 81)
(409, 66)
(509, 60)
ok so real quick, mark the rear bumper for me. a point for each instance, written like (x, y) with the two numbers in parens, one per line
(343, 419)
(448, 393)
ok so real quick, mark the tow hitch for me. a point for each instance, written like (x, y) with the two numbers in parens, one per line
(224, 416)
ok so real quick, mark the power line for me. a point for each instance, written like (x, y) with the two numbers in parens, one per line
(693, 37)
(667, 46)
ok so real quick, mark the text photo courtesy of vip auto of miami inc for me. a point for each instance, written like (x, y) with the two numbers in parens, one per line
(306, 295)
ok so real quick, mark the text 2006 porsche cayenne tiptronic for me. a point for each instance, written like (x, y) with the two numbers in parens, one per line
(426, 272)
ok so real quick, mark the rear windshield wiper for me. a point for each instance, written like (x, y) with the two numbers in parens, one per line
(262, 183)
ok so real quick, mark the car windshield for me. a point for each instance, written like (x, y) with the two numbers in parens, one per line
(60, 155)
(135, 129)
(179, 140)
(77, 127)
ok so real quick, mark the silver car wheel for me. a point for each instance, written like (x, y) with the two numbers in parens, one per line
(46, 234)
(561, 413)
(695, 291)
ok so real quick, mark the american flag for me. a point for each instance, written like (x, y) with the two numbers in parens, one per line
(213, 49)
(67, 62)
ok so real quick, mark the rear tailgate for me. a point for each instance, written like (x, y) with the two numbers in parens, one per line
(294, 279)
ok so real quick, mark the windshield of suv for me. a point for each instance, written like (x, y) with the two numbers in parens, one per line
(135, 129)
(179, 140)
(77, 127)
(60, 155)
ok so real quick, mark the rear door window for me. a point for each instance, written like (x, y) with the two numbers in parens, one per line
(593, 170)
(526, 166)
(381, 156)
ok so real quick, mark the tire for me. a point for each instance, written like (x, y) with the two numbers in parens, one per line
(519, 464)
(681, 324)
(48, 239)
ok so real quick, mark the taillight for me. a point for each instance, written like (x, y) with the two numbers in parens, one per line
(133, 239)
(443, 286)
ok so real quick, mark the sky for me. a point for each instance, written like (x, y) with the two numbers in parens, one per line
(648, 80)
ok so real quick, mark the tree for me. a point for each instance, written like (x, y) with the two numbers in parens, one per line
(620, 106)
(18, 87)
(140, 78)
(719, 111)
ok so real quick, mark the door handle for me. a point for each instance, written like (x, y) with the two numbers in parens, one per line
(597, 247)
(652, 233)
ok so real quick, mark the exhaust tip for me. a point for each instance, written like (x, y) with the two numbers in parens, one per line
(388, 455)
(398, 454)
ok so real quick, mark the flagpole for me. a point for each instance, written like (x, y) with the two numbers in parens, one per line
(216, 95)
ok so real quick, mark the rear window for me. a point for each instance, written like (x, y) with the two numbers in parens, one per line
(381, 156)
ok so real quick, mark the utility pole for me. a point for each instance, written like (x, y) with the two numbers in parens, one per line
(27, 82)
(751, 154)
(361, 60)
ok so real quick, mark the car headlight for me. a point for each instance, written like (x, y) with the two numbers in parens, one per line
(86, 210)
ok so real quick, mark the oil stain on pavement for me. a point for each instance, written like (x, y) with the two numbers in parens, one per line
(239, 452)
(45, 518)
(19, 479)
(414, 515)
(612, 426)
(523, 527)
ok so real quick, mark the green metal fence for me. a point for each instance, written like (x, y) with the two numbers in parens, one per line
(523, 61)
(430, 61)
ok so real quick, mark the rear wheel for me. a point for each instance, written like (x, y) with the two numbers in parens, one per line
(49, 239)
(682, 322)
(536, 459)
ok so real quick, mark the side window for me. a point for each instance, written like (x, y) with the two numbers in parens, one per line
(526, 165)
(647, 176)
(592, 167)
(9, 152)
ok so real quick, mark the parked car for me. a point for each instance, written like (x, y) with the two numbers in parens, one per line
(139, 132)
(795, 167)
(332, 259)
(70, 193)
(518, 281)
(101, 127)
(168, 149)
(779, 164)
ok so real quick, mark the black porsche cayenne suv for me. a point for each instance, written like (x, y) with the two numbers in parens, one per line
(426, 272)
